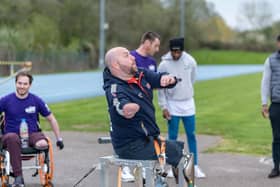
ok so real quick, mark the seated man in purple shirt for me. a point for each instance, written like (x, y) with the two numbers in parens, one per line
(24, 105)
(150, 42)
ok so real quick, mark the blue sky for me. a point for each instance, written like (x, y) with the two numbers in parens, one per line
(229, 10)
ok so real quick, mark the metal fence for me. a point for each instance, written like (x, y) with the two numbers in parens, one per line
(50, 62)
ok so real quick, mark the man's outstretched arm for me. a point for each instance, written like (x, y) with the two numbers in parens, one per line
(53, 122)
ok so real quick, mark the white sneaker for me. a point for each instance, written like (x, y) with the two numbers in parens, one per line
(170, 173)
(126, 175)
(198, 172)
(144, 173)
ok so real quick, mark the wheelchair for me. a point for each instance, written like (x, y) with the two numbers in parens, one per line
(42, 159)
(155, 174)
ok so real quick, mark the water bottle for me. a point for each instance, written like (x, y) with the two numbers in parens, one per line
(23, 132)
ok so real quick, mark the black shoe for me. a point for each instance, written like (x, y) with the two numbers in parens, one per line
(274, 173)
(19, 182)
(176, 174)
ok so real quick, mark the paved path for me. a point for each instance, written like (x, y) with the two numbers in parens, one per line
(223, 170)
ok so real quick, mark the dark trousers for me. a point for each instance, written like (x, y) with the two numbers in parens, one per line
(11, 142)
(274, 115)
(143, 149)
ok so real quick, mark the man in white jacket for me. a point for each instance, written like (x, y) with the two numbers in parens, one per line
(178, 103)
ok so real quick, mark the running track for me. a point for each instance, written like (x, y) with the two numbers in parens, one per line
(61, 87)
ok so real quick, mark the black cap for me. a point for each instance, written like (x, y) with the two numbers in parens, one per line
(176, 44)
(278, 38)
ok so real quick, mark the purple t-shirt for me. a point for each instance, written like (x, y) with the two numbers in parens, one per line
(29, 108)
(145, 62)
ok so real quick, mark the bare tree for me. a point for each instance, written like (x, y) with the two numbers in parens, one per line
(255, 14)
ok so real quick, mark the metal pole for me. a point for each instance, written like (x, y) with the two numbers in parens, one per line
(101, 33)
(182, 18)
(12, 69)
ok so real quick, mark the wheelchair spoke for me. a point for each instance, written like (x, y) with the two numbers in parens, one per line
(4, 176)
(46, 166)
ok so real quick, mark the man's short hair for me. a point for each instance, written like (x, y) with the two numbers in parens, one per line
(278, 38)
(25, 74)
(150, 35)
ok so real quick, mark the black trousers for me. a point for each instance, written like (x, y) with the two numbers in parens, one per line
(143, 149)
(274, 115)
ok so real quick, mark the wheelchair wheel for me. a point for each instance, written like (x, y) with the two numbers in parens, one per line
(46, 166)
(4, 166)
(50, 184)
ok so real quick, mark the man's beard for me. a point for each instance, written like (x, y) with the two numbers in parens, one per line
(21, 93)
(129, 70)
(133, 70)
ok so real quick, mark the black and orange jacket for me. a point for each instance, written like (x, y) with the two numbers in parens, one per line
(138, 89)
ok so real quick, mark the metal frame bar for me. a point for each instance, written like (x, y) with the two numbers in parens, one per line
(139, 164)
(30, 167)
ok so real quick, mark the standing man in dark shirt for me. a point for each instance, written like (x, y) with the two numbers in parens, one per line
(270, 89)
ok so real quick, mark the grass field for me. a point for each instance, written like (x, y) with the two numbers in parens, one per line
(227, 107)
(231, 108)
(206, 56)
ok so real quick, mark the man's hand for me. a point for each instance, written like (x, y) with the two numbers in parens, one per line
(130, 109)
(167, 80)
(166, 114)
(265, 112)
(60, 144)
